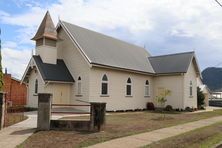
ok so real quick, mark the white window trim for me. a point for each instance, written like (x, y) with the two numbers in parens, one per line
(191, 89)
(106, 82)
(148, 91)
(131, 95)
(79, 89)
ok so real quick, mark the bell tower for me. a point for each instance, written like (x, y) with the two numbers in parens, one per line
(46, 38)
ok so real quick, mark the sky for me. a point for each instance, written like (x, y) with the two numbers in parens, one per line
(161, 26)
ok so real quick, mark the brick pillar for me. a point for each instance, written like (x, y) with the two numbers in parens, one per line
(97, 115)
(2, 109)
(44, 111)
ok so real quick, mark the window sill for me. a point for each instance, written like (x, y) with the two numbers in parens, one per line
(104, 95)
(128, 96)
(147, 96)
(79, 95)
(191, 97)
(35, 94)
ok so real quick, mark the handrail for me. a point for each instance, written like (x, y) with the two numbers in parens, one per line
(58, 112)
(68, 105)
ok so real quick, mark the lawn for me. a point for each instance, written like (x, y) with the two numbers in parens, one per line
(117, 125)
(13, 118)
(205, 137)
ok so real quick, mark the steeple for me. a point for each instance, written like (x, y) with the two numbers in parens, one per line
(46, 40)
(46, 29)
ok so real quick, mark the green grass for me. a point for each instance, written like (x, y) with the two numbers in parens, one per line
(205, 137)
(117, 125)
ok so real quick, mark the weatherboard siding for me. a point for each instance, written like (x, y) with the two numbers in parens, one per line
(175, 85)
(117, 80)
(190, 76)
(77, 66)
(48, 53)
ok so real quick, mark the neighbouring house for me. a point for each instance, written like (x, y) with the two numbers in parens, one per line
(77, 66)
(16, 92)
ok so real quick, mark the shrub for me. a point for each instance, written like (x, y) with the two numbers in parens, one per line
(200, 98)
(188, 109)
(150, 106)
(168, 108)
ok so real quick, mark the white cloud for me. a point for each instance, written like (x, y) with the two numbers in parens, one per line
(15, 61)
(166, 25)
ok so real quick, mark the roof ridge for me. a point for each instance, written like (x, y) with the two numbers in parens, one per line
(179, 53)
(125, 42)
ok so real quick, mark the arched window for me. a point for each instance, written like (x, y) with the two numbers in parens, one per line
(104, 86)
(79, 87)
(128, 87)
(147, 88)
(191, 89)
(36, 86)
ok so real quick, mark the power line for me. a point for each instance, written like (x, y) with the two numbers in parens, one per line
(218, 3)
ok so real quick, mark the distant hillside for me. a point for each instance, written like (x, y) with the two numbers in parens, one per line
(212, 77)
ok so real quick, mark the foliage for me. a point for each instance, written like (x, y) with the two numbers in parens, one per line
(150, 106)
(1, 73)
(200, 98)
(161, 98)
(168, 108)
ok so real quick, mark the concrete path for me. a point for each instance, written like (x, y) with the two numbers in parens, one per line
(147, 138)
(13, 135)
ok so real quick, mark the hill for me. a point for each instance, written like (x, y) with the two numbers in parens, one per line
(212, 77)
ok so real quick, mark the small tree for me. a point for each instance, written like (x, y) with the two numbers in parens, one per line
(161, 99)
(1, 73)
(200, 98)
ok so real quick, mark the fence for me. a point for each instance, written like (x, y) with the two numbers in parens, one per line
(46, 108)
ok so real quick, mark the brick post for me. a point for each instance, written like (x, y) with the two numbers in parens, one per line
(44, 111)
(2, 109)
(97, 115)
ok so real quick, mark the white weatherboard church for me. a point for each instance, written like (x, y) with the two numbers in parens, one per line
(78, 66)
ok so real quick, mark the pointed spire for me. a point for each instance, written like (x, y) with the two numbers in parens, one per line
(46, 29)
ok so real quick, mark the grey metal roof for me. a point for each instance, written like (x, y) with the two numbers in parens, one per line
(104, 50)
(173, 63)
(51, 72)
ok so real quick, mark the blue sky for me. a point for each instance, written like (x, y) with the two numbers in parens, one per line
(163, 26)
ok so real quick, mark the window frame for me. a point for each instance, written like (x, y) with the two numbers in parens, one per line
(147, 89)
(191, 89)
(104, 82)
(129, 86)
(36, 87)
(79, 87)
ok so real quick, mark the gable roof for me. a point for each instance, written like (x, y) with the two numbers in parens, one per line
(46, 28)
(172, 63)
(107, 51)
(53, 72)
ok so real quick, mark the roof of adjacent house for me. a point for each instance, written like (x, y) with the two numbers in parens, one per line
(46, 28)
(172, 63)
(104, 50)
(53, 72)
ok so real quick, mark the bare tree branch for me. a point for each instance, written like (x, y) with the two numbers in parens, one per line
(218, 3)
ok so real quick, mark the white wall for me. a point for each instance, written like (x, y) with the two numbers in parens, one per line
(47, 53)
(175, 85)
(117, 99)
(77, 66)
(190, 101)
(61, 92)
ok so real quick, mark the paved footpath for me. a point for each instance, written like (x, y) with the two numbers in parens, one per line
(143, 139)
(13, 135)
